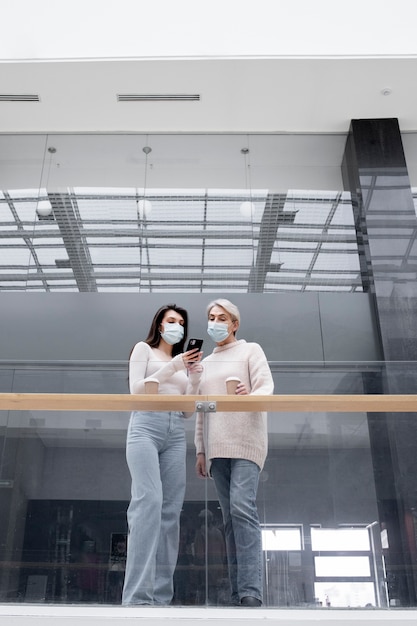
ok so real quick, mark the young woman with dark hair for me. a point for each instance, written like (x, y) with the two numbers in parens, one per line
(154, 335)
(155, 453)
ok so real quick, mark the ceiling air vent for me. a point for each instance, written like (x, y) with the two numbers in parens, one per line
(10, 97)
(163, 97)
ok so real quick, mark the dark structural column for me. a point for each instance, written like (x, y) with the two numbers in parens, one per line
(375, 172)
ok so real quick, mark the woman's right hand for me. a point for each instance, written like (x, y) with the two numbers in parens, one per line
(200, 465)
(192, 356)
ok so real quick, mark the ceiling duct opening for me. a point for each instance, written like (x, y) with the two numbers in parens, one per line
(19, 97)
(158, 97)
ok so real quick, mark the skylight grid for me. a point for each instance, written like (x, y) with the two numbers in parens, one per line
(20, 194)
(337, 261)
(107, 209)
(120, 269)
(232, 211)
(347, 247)
(60, 281)
(335, 274)
(62, 272)
(219, 258)
(26, 211)
(113, 254)
(47, 242)
(15, 286)
(343, 216)
(293, 260)
(63, 288)
(202, 239)
(294, 246)
(311, 215)
(5, 213)
(108, 229)
(10, 255)
(117, 281)
(184, 228)
(121, 288)
(339, 288)
(177, 256)
(233, 282)
(157, 270)
(170, 210)
(273, 288)
(116, 240)
(48, 256)
(13, 270)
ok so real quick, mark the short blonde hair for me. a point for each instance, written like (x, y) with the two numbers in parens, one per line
(227, 306)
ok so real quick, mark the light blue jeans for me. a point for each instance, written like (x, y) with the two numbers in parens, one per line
(155, 453)
(236, 483)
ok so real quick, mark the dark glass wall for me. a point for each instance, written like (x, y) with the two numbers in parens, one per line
(375, 172)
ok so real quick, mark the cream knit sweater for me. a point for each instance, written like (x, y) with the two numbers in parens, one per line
(234, 435)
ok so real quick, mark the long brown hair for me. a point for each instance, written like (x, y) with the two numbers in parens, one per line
(154, 336)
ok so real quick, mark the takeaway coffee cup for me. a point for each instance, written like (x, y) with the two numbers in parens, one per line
(231, 384)
(151, 385)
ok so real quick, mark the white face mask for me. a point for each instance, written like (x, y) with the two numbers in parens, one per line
(218, 331)
(173, 333)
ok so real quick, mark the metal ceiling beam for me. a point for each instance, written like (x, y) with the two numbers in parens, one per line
(28, 239)
(76, 247)
(273, 215)
(233, 235)
(318, 249)
(167, 278)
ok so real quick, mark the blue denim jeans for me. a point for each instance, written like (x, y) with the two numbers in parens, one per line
(236, 483)
(155, 453)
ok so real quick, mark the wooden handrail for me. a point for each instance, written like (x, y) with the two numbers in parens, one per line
(278, 403)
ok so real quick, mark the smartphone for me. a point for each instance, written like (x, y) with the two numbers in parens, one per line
(194, 343)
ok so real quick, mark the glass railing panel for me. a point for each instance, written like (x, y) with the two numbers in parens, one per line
(336, 506)
(314, 377)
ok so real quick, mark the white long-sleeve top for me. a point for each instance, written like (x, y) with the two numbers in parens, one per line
(234, 435)
(146, 362)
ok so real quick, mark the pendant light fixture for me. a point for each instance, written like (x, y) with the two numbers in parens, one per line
(247, 208)
(144, 206)
(44, 207)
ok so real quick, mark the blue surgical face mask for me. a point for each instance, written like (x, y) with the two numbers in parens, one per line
(173, 333)
(218, 331)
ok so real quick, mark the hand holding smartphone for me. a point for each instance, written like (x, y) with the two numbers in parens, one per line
(195, 344)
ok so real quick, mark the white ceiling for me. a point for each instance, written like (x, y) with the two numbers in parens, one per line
(282, 95)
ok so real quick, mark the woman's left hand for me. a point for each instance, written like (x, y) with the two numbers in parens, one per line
(241, 390)
(194, 368)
